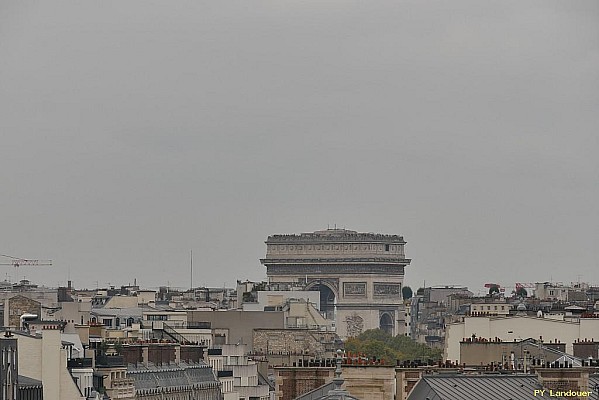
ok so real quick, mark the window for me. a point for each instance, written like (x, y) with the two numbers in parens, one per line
(386, 247)
(107, 322)
(157, 317)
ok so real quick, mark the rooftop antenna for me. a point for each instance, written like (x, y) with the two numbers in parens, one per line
(191, 268)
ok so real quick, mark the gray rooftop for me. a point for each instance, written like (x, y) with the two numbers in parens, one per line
(594, 386)
(25, 381)
(476, 387)
(182, 375)
(317, 393)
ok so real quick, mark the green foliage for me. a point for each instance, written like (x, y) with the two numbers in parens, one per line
(379, 344)
(102, 348)
(406, 292)
(258, 287)
(493, 290)
(521, 292)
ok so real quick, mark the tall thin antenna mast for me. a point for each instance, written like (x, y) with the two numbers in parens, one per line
(191, 267)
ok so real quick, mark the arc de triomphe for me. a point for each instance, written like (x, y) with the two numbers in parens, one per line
(359, 275)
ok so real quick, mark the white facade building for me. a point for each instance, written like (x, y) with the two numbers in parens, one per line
(44, 359)
(246, 382)
(518, 327)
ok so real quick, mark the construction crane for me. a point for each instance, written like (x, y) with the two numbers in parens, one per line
(17, 262)
(528, 285)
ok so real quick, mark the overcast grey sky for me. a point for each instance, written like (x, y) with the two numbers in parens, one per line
(134, 131)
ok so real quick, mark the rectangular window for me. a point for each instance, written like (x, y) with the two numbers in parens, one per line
(157, 317)
(386, 247)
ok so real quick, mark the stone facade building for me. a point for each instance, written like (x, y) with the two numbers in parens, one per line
(12, 385)
(43, 358)
(359, 275)
(368, 382)
(295, 343)
(177, 382)
(18, 305)
(292, 382)
(513, 327)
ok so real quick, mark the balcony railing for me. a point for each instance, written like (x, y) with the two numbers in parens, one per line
(110, 361)
(80, 363)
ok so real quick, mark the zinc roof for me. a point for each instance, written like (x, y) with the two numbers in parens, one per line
(476, 387)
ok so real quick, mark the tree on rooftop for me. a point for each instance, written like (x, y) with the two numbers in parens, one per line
(406, 292)
(379, 344)
(521, 292)
(494, 289)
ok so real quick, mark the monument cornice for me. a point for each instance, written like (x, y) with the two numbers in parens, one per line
(334, 240)
(327, 270)
(341, 237)
(370, 306)
(344, 261)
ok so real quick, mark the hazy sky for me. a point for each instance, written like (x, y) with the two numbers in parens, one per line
(135, 131)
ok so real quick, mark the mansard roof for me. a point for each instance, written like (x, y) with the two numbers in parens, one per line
(476, 387)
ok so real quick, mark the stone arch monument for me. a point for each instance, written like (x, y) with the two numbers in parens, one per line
(359, 275)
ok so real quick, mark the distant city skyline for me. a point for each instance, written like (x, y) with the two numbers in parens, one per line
(135, 132)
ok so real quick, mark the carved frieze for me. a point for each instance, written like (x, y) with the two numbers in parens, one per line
(387, 289)
(354, 289)
(342, 270)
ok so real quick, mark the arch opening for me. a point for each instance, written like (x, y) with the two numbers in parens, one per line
(386, 323)
(327, 300)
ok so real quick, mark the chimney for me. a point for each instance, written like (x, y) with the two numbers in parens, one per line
(564, 379)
